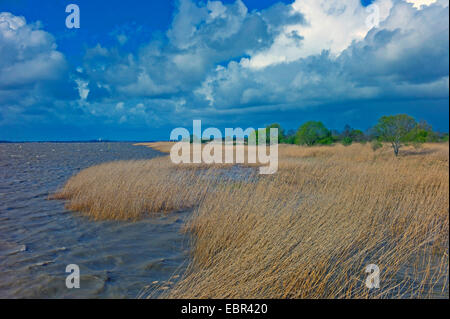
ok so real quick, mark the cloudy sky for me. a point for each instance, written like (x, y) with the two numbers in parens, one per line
(134, 71)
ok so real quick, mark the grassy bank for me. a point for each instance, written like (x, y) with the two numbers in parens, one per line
(307, 231)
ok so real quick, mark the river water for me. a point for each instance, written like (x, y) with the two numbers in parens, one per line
(39, 237)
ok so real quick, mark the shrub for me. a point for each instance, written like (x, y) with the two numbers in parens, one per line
(346, 141)
(376, 145)
(312, 133)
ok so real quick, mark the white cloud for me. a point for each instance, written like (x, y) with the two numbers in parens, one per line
(119, 106)
(201, 36)
(27, 55)
(420, 3)
(331, 25)
(34, 77)
(83, 90)
(305, 54)
(406, 54)
(221, 59)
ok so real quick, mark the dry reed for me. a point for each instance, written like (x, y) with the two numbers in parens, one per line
(308, 231)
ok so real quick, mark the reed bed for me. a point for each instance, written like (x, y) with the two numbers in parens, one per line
(129, 190)
(307, 231)
(159, 146)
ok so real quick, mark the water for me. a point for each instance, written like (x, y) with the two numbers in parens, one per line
(39, 238)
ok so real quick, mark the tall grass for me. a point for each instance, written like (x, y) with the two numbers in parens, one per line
(307, 231)
(129, 190)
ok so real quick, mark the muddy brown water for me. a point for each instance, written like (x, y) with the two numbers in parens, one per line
(39, 237)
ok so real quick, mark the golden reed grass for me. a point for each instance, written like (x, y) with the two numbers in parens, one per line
(307, 231)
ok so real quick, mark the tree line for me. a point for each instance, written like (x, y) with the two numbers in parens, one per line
(397, 130)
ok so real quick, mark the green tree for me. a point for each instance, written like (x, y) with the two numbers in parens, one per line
(266, 131)
(395, 129)
(350, 135)
(311, 133)
(280, 132)
(357, 136)
(422, 133)
(289, 137)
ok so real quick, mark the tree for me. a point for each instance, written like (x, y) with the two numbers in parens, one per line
(336, 135)
(350, 135)
(347, 131)
(357, 136)
(422, 133)
(312, 133)
(395, 129)
(280, 132)
(266, 131)
(289, 138)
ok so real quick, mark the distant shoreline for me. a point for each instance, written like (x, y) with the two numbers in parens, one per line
(83, 141)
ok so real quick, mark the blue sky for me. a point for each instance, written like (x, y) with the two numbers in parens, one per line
(136, 69)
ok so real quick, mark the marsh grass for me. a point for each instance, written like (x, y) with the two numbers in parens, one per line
(159, 146)
(308, 231)
(129, 190)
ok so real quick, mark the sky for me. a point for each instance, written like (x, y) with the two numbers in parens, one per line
(135, 70)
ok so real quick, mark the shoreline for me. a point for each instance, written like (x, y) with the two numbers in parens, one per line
(325, 206)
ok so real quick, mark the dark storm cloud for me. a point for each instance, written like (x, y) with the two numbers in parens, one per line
(204, 67)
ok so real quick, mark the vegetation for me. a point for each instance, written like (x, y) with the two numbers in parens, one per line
(266, 131)
(280, 132)
(376, 145)
(312, 133)
(308, 231)
(397, 130)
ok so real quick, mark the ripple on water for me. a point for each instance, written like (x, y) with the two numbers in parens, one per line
(39, 238)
